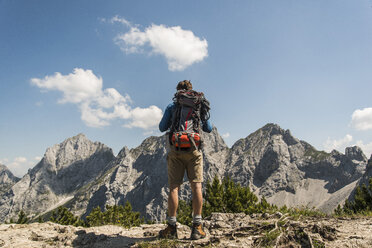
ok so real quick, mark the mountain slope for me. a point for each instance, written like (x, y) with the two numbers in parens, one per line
(64, 169)
(140, 176)
(289, 171)
(7, 179)
(82, 175)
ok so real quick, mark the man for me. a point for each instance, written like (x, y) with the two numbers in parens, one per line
(183, 117)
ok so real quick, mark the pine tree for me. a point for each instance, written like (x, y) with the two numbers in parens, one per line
(22, 218)
(213, 197)
(115, 215)
(64, 217)
(231, 197)
(184, 212)
(96, 217)
(40, 219)
(362, 202)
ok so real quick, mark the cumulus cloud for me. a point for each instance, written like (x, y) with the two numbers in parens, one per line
(37, 158)
(226, 135)
(181, 48)
(367, 148)
(79, 86)
(98, 106)
(337, 144)
(19, 166)
(4, 161)
(20, 160)
(361, 119)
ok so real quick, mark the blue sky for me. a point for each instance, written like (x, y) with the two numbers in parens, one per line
(109, 68)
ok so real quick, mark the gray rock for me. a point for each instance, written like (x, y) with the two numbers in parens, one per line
(7, 179)
(82, 175)
(65, 169)
(355, 153)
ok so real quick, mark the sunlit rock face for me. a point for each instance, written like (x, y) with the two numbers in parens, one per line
(81, 174)
(7, 179)
(65, 169)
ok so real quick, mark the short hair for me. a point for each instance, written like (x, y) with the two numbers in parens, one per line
(184, 85)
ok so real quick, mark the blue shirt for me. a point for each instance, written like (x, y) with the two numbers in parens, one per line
(166, 121)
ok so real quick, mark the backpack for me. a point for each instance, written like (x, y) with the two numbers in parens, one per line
(191, 109)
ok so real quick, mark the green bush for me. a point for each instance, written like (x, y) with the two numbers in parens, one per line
(64, 217)
(231, 197)
(225, 197)
(22, 218)
(184, 212)
(115, 215)
(362, 203)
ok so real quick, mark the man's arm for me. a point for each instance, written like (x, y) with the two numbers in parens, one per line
(166, 120)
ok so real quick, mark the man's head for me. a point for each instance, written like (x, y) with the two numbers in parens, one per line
(184, 85)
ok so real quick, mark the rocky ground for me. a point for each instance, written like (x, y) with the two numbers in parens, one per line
(223, 230)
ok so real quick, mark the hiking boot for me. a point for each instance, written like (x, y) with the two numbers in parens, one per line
(170, 232)
(197, 232)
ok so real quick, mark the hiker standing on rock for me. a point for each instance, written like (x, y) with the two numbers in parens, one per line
(184, 118)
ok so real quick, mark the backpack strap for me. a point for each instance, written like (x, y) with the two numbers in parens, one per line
(191, 138)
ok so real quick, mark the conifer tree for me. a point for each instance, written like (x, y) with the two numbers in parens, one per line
(184, 212)
(231, 197)
(96, 217)
(64, 217)
(362, 202)
(22, 218)
(115, 215)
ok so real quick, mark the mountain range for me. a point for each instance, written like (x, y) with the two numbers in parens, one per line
(81, 174)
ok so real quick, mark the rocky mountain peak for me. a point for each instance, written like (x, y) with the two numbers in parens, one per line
(272, 129)
(213, 142)
(355, 153)
(3, 168)
(7, 179)
(64, 170)
(4, 171)
(76, 148)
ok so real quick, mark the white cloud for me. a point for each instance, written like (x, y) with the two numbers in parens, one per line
(367, 148)
(20, 160)
(339, 144)
(4, 161)
(361, 119)
(78, 86)
(97, 106)
(145, 118)
(19, 166)
(226, 135)
(180, 47)
(120, 20)
(37, 158)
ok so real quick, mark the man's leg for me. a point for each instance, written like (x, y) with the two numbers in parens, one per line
(197, 204)
(173, 200)
(171, 230)
(197, 198)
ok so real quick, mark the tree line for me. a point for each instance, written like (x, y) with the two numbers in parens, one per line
(361, 204)
(224, 196)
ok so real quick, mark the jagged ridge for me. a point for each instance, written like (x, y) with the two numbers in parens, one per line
(271, 161)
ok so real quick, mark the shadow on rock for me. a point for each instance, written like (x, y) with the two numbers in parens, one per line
(93, 240)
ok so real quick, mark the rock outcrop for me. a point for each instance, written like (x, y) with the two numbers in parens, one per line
(7, 179)
(65, 169)
(82, 175)
(223, 230)
(139, 176)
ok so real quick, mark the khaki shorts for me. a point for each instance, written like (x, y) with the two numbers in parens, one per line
(181, 161)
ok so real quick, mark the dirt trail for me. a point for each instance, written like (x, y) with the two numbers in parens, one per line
(223, 230)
